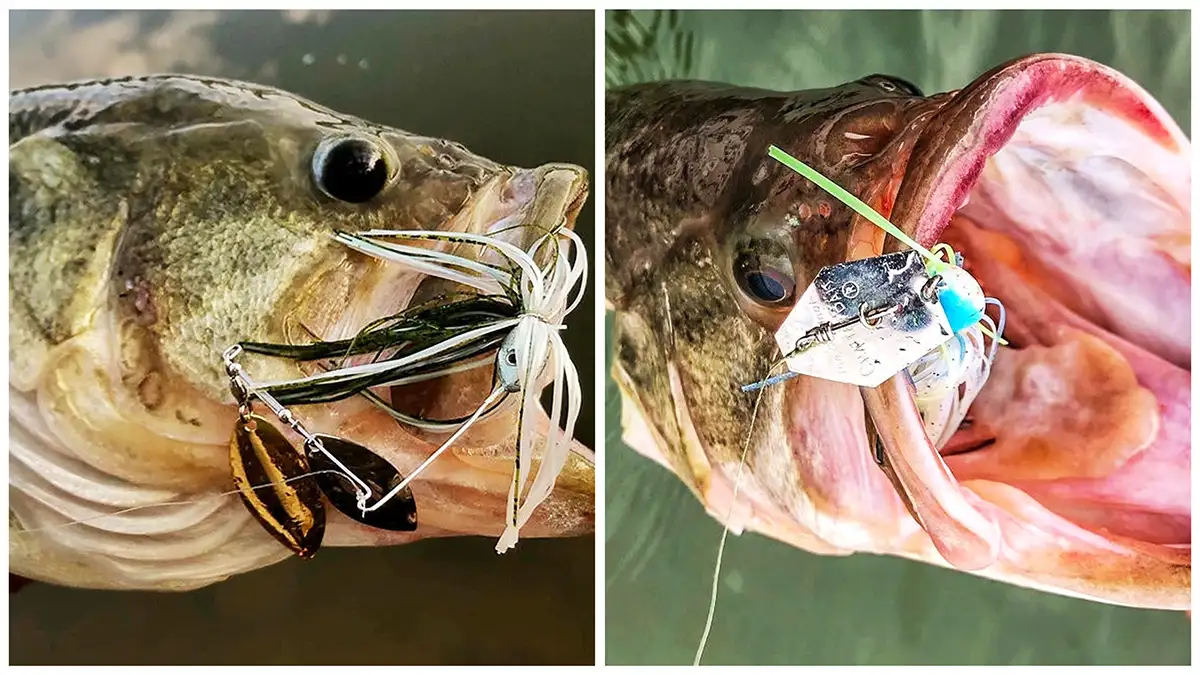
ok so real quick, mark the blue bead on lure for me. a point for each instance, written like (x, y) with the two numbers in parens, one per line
(961, 298)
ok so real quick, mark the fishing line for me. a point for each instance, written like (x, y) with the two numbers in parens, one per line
(737, 484)
(140, 507)
(496, 393)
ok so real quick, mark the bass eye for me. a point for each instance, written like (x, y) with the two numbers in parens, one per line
(353, 170)
(765, 277)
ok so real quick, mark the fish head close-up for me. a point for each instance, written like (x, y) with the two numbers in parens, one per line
(155, 223)
(1065, 465)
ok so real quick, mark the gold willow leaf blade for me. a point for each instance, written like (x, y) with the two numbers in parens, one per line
(272, 479)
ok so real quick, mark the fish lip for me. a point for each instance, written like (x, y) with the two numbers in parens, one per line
(562, 190)
(556, 195)
(943, 167)
(576, 191)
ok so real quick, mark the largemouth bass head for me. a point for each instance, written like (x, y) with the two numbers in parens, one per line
(161, 220)
(1065, 187)
(712, 242)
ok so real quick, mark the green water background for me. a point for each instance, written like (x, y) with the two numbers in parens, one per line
(516, 87)
(780, 605)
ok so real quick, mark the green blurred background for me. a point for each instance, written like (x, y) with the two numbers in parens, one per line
(516, 87)
(780, 605)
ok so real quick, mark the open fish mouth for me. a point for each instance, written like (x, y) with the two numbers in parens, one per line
(1068, 196)
(1066, 189)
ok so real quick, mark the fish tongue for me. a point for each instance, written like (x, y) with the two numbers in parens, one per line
(965, 537)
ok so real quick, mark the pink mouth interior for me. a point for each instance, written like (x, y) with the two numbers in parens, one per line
(1068, 197)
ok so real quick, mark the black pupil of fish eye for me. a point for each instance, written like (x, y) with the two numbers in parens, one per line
(767, 286)
(511, 358)
(353, 171)
(765, 275)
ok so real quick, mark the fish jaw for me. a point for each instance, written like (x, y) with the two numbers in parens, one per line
(120, 478)
(1076, 180)
(1071, 473)
(1038, 548)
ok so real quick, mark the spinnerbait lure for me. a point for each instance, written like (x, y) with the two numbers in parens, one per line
(864, 321)
(517, 311)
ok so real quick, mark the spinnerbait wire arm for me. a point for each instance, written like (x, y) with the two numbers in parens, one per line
(823, 334)
(506, 381)
(245, 390)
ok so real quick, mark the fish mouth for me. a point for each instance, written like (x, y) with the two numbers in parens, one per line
(1065, 187)
(466, 490)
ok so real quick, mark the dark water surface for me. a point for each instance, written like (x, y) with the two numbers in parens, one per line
(780, 605)
(516, 87)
